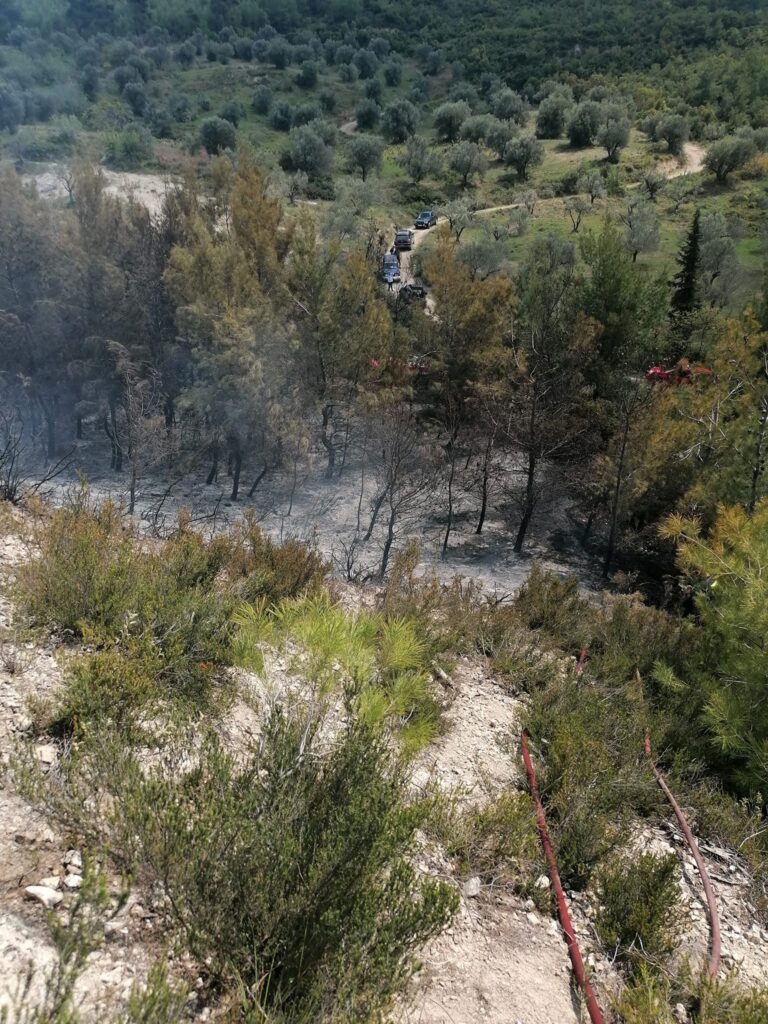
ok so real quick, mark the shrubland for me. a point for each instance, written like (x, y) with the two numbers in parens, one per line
(236, 333)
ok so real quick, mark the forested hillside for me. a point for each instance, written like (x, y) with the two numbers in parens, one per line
(379, 381)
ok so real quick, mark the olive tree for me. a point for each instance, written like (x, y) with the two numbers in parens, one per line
(449, 117)
(307, 152)
(509, 105)
(728, 155)
(641, 225)
(584, 124)
(673, 129)
(576, 207)
(523, 153)
(614, 132)
(467, 159)
(498, 134)
(420, 161)
(593, 184)
(367, 115)
(399, 121)
(216, 135)
(365, 155)
(552, 115)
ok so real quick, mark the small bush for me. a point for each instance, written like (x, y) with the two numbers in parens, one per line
(281, 117)
(160, 624)
(262, 100)
(270, 572)
(496, 841)
(640, 906)
(129, 148)
(289, 872)
(649, 998)
(234, 112)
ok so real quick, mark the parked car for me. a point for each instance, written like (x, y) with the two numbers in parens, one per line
(404, 239)
(390, 269)
(426, 219)
(413, 290)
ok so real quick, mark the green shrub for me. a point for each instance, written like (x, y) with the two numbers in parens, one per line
(76, 935)
(129, 148)
(592, 778)
(640, 903)
(216, 135)
(290, 872)
(385, 658)
(649, 997)
(273, 572)
(160, 623)
(554, 606)
(497, 840)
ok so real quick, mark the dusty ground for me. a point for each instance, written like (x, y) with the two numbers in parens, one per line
(148, 189)
(501, 961)
(691, 163)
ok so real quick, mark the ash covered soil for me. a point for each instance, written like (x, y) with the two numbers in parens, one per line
(324, 512)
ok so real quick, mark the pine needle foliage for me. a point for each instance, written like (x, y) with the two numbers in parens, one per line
(385, 658)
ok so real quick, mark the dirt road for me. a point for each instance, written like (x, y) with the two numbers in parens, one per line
(692, 163)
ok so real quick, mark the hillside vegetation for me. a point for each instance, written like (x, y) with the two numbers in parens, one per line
(256, 464)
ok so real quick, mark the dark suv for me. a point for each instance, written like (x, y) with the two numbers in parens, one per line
(413, 290)
(426, 219)
(404, 239)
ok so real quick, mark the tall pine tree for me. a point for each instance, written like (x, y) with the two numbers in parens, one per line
(685, 295)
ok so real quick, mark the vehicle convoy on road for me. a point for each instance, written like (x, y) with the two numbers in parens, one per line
(426, 219)
(404, 239)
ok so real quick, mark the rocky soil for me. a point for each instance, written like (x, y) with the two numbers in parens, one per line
(502, 959)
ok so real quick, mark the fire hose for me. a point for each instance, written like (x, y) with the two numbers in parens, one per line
(562, 909)
(714, 917)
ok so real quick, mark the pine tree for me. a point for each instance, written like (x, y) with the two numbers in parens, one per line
(685, 294)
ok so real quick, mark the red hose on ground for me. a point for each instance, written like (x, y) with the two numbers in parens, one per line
(582, 659)
(714, 918)
(565, 918)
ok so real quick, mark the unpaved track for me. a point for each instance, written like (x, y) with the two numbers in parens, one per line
(693, 162)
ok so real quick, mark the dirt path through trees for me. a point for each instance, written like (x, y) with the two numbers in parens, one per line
(693, 162)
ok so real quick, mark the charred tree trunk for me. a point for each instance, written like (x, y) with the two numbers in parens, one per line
(529, 504)
(257, 481)
(345, 445)
(530, 479)
(49, 416)
(449, 525)
(375, 515)
(112, 443)
(237, 465)
(484, 491)
(587, 528)
(214, 470)
(118, 446)
(294, 483)
(327, 440)
(388, 543)
(132, 489)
